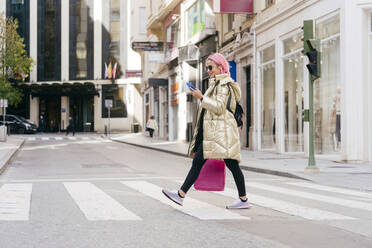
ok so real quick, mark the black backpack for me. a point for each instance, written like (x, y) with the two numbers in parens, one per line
(238, 115)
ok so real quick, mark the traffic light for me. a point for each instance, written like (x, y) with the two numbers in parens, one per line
(312, 49)
(313, 55)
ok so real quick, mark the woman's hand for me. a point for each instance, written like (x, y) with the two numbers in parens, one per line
(196, 93)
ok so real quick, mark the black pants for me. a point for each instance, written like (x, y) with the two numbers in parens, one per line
(151, 131)
(197, 164)
(70, 129)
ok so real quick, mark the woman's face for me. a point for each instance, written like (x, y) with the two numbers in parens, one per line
(212, 68)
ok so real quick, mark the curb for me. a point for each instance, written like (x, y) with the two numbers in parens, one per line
(244, 167)
(151, 148)
(4, 166)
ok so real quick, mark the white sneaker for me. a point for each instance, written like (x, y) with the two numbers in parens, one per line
(173, 196)
(239, 204)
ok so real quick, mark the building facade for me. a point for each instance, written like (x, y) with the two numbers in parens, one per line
(81, 53)
(264, 48)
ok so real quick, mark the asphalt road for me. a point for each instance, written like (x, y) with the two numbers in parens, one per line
(86, 191)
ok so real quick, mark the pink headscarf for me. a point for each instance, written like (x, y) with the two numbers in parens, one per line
(220, 60)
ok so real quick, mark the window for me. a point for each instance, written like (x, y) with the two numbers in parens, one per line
(195, 19)
(268, 3)
(81, 40)
(142, 20)
(327, 90)
(267, 75)
(116, 94)
(293, 94)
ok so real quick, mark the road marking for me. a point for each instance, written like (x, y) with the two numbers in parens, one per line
(47, 180)
(333, 189)
(317, 197)
(32, 139)
(96, 204)
(287, 207)
(44, 138)
(15, 201)
(71, 138)
(85, 138)
(195, 208)
(58, 138)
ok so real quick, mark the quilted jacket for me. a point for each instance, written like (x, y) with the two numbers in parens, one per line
(220, 132)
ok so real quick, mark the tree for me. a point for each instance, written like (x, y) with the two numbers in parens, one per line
(15, 65)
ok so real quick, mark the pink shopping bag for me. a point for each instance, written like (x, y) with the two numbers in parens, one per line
(212, 176)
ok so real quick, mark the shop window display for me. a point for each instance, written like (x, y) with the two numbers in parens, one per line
(293, 94)
(327, 90)
(267, 70)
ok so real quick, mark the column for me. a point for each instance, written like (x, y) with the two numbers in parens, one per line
(65, 39)
(65, 111)
(97, 8)
(33, 40)
(353, 59)
(34, 110)
(2, 7)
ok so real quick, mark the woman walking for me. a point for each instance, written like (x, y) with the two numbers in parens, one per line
(216, 135)
(151, 126)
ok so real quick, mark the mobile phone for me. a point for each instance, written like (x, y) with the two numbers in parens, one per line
(191, 85)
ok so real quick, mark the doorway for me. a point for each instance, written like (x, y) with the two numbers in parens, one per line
(82, 113)
(248, 106)
(50, 112)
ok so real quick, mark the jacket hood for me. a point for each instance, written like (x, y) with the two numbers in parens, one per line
(226, 79)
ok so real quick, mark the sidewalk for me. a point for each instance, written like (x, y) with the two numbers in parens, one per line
(346, 175)
(8, 149)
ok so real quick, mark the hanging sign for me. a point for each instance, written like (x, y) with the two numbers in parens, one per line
(233, 6)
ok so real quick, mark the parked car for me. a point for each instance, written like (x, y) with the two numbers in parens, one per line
(18, 124)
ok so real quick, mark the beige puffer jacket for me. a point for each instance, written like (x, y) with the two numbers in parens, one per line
(220, 132)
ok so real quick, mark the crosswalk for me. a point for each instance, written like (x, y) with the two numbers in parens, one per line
(64, 138)
(95, 204)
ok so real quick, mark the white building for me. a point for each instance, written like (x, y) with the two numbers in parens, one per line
(342, 106)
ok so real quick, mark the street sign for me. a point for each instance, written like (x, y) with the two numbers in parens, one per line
(108, 103)
(133, 73)
(3, 103)
(147, 46)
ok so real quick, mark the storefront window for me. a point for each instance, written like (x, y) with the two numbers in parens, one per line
(116, 94)
(293, 95)
(327, 90)
(195, 19)
(267, 70)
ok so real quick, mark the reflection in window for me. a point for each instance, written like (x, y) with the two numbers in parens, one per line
(81, 39)
(116, 94)
(49, 40)
(111, 36)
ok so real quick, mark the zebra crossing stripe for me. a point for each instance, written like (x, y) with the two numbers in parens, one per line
(96, 204)
(71, 138)
(85, 138)
(287, 207)
(332, 189)
(15, 201)
(195, 208)
(32, 139)
(44, 138)
(317, 197)
(58, 138)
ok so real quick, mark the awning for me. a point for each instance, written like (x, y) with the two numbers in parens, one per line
(156, 82)
(65, 89)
